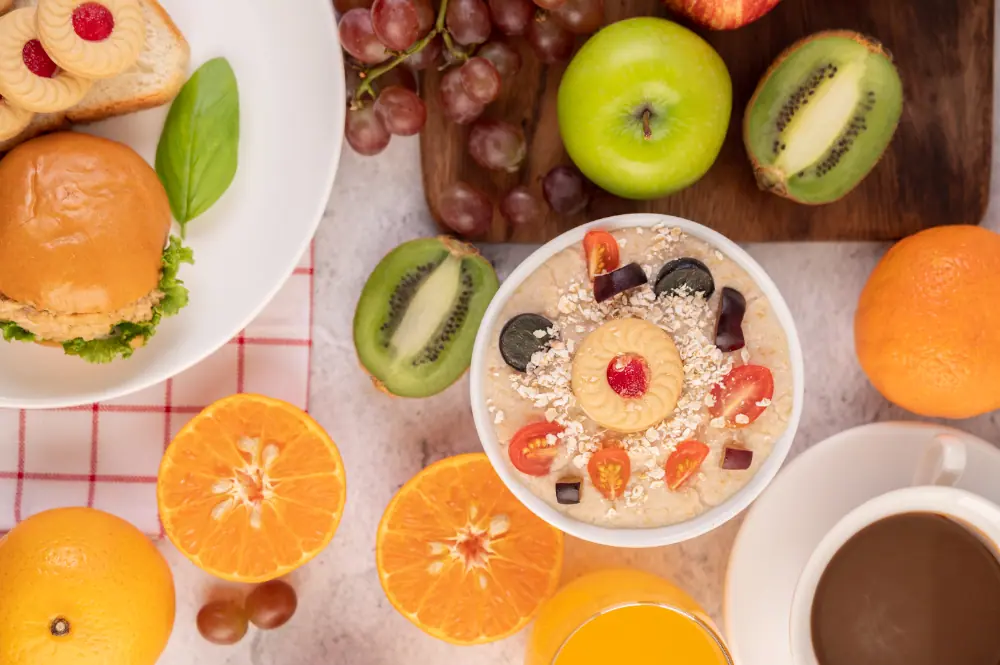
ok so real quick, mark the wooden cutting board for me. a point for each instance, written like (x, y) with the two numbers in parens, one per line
(937, 170)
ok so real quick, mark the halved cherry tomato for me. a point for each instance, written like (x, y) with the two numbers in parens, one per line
(530, 451)
(609, 470)
(684, 462)
(740, 393)
(601, 249)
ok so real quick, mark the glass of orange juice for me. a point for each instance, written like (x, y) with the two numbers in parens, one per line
(624, 616)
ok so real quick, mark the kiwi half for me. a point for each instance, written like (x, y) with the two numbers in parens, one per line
(416, 320)
(823, 116)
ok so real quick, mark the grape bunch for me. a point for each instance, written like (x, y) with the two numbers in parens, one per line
(388, 41)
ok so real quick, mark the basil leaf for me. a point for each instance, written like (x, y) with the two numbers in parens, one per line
(196, 157)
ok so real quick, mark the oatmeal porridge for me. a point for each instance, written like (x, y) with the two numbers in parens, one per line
(638, 380)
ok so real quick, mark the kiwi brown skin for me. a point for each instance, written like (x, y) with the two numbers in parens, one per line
(446, 354)
(767, 179)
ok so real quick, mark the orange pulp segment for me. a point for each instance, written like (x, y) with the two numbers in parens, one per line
(461, 557)
(251, 488)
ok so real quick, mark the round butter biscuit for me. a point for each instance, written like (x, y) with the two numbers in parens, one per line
(94, 40)
(590, 371)
(29, 79)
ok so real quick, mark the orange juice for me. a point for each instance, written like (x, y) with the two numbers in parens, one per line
(623, 616)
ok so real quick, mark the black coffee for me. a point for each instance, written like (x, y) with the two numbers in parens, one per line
(913, 589)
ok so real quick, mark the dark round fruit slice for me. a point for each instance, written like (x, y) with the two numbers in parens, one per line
(688, 272)
(822, 116)
(729, 327)
(568, 491)
(519, 339)
(416, 320)
(618, 281)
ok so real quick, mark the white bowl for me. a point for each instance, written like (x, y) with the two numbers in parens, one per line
(635, 537)
(288, 64)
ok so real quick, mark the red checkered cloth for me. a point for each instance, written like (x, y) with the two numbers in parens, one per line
(107, 455)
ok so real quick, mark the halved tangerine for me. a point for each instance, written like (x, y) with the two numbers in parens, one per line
(251, 488)
(461, 557)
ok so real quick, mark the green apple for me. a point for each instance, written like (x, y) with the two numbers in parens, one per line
(644, 107)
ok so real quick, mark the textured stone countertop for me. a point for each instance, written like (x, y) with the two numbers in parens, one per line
(343, 616)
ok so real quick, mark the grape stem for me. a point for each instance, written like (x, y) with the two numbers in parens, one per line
(369, 75)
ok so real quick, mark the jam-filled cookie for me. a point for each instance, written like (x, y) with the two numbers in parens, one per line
(627, 375)
(95, 40)
(12, 120)
(28, 76)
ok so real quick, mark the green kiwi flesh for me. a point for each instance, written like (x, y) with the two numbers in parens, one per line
(823, 116)
(416, 320)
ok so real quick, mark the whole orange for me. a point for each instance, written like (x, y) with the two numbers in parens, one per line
(81, 587)
(927, 329)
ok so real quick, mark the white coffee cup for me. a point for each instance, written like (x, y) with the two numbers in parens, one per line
(932, 491)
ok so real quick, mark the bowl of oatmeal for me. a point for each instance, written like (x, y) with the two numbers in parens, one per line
(637, 381)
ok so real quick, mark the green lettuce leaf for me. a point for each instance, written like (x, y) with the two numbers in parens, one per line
(11, 331)
(126, 337)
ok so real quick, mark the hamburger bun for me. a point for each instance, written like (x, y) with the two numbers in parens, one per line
(83, 224)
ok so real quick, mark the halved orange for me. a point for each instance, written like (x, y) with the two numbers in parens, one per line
(461, 557)
(251, 488)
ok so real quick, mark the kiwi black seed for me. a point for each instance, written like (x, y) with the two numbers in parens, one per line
(823, 116)
(417, 318)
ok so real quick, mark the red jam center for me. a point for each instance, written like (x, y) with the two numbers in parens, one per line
(37, 60)
(628, 375)
(93, 22)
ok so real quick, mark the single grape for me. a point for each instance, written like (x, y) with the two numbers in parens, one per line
(480, 79)
(512, 16)
(401, 76)
(551, 42)
(358, 38)
(520, 207)
(344, 6)
(400, 23)
(365, 132)
(455, 103)
(497, 145)
(465, 209)
(351, 80)
(271, 604)
(400, 111)
(504, 58)
(426, 56)
(549, 4)
(580, 16)
(468, 21)
(222, 622)
(565, 190)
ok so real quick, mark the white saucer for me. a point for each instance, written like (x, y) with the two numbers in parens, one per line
(803, 502)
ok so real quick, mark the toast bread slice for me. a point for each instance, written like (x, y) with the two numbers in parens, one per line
(153, 81)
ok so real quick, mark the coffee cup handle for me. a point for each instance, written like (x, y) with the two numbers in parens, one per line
(943, 463)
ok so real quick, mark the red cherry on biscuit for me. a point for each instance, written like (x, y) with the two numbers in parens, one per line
(37, 60)
(628, 375)
(93, 22)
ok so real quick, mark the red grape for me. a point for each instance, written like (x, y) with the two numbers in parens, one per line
(455, 103)
(580, 16)
(365, 132)
(497, 145)
(400, 23)
(271, 604)
(468, 21)
(222, 622)
(351, 80)
(344, 6)
(512, 16)
(358, 38)
(551, 42)
(465, 209)
(401, 76)
(565, 190)
(400, 111)
(426, 56)
(504, 58)
(520, 207)
(480, 79)
(549, 4)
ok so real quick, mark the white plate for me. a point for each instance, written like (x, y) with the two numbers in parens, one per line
(807, 498)
(287, 60)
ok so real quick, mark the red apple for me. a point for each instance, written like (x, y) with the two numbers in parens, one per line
(722, 14)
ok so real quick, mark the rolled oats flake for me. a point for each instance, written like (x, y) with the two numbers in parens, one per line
(742, 419)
